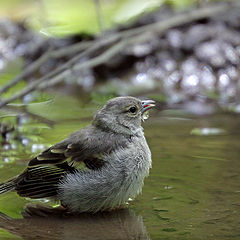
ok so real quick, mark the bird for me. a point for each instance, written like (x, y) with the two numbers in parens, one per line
(115, 155)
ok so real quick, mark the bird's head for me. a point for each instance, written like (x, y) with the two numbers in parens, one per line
(123, 114)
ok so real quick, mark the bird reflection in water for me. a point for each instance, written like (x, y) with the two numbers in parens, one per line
(41, 222)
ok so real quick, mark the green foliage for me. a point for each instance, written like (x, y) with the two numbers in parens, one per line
(30, 134)
(61, 18)
(59, 108)
(74, 16)
(10, 71)
(7, 236)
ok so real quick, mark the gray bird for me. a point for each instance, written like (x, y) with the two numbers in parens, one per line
(116, 157)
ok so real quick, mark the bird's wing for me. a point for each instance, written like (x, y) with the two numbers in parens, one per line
(44, 172)
(70, 151)
(41, 181)
(88, 145)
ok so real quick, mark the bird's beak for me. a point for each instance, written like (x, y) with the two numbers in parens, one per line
(146, 105)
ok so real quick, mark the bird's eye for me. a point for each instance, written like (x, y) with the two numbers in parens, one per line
(132, 109)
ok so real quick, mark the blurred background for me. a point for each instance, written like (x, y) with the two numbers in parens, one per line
(62, 60)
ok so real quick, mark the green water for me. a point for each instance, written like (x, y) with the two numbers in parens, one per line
(193, 191)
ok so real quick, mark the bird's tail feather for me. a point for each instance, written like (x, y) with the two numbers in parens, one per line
(7, 186)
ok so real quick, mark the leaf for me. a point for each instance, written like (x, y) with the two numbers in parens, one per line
(59, 108)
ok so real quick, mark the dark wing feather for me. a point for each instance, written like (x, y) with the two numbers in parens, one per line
(41, 181)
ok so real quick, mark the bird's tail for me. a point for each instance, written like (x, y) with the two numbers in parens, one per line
(7, 186)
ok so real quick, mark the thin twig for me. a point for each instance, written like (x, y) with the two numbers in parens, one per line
(23, 110)
(74, 48)
(28, 70)
(96, 61)
(49, 54)
(105, 56)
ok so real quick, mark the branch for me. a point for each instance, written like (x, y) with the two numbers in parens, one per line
(49, 54)
(105, 56)
(36, 64)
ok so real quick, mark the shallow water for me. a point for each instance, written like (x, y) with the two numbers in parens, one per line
(193, 191)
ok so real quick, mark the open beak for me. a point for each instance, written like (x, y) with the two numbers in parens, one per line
(146, 105)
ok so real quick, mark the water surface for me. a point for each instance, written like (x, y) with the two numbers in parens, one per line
(193, 191)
